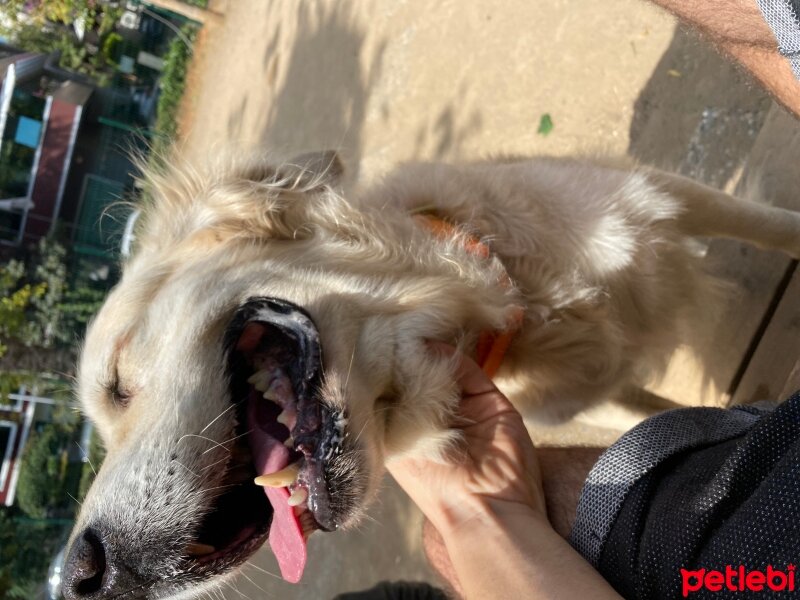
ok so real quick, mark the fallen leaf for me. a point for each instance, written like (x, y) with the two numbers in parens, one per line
(545, 124)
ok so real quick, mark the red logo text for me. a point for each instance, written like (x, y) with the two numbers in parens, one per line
(738, 579)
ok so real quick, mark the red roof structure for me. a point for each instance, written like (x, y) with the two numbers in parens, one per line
(15, 425)
(60, 118)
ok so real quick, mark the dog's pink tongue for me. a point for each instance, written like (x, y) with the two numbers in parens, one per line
(286, 537)
(285, 534)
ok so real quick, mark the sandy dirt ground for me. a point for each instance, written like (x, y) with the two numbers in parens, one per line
(384, 81)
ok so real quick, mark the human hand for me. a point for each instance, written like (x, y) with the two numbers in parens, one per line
(496, 467)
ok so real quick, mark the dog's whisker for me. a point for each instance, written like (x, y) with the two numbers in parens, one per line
(253, 582)
(234, 438)
(86, 456)
(133, 589)
(60, 390)
(212, 594)
(220, 487)
(363, 427)
(223, 459)
(228, 441)
(257, 568)
(215, 443)
(196, 435)
(235, 589)
(68, 376)
(187, 468)
(373, 415)
(367, 517)
(78, 502)
(349, 369)
(215, 419)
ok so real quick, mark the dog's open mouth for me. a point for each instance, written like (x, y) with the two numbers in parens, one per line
(286, 437)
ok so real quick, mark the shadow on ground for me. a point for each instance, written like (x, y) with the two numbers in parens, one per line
(327, 50)
(697, 115)
(700, 116)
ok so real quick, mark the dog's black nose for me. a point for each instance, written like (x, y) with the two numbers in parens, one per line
(85, 570)
(98, 569)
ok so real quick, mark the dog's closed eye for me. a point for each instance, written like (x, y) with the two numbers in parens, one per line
(119, 395)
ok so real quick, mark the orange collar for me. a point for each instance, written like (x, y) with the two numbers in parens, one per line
(492, 345)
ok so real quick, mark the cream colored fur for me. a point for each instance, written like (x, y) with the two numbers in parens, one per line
(600, 257)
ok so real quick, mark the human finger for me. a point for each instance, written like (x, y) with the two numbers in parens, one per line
(480, 397)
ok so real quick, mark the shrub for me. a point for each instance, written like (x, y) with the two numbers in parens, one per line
(112, 48)
(173, 83)
(41, 481)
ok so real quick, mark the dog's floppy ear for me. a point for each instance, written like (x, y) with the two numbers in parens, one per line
(284, 201)
(325, 167)
(250, 198)
(307, 172)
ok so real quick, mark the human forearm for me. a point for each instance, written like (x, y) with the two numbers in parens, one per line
(509, 551)
(738, 29)
(564, 471)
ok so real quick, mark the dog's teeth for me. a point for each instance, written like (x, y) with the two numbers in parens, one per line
(271, 395)
(289, 443)
(255, 377)
(260, 379)
(279, 479)
(198, 549)
(305, 519)
(283, 418)
(298, 496)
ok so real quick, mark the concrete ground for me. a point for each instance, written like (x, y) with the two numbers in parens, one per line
(390, 80)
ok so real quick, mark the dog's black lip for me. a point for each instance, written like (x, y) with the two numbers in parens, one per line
(291, 319)
(232, 555)
(315, 434)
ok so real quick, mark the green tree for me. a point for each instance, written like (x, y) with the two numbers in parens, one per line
(44, 309)
(173, 83)
(46, 26)
(33, 294)
(40, 487)
(26, 549)
(43, 304)
(15, 302)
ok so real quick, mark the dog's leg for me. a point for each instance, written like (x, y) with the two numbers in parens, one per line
(713, 213)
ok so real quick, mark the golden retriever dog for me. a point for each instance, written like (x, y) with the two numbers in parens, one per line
(272, 324)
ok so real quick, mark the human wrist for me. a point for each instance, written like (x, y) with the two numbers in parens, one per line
(471, 514)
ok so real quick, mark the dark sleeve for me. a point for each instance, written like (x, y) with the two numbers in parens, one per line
(695, 488)
(783, 17)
